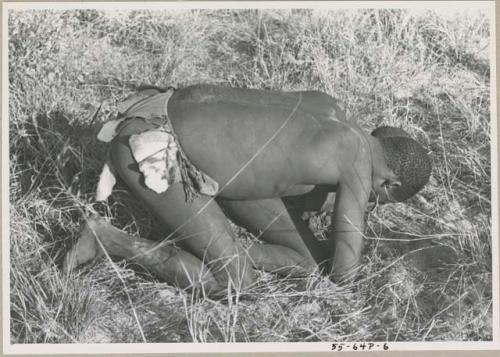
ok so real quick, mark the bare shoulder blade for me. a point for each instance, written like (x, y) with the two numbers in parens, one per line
(322, 105)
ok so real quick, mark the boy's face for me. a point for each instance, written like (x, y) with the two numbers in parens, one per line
(384, 181)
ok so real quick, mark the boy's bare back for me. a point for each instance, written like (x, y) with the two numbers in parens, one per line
(263, 144)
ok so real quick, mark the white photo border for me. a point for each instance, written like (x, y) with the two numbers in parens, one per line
(240, 347)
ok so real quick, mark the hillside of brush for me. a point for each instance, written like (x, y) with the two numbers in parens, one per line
(426, 272)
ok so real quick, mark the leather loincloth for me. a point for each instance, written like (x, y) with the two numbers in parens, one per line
(157, 152)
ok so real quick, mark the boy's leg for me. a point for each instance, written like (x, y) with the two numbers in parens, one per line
(171, 264)
(199, 226)
(290, 246)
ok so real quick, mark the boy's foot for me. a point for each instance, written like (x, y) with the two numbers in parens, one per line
(86, 248)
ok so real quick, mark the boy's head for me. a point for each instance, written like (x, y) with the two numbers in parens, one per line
(409, 162)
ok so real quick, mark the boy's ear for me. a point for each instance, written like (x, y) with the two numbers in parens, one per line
(388, 179)
(393, 183)
(393, 180)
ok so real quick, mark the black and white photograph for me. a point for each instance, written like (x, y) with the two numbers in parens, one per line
(287, 175)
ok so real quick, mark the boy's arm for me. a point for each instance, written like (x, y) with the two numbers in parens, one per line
(346, 235)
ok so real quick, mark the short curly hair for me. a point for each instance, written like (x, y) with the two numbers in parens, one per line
(406, 158)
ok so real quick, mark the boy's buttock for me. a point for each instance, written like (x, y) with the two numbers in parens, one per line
(145, 128)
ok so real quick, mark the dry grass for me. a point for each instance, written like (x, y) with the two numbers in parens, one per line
(427, 267)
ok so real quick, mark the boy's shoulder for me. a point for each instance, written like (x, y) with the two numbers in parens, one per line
(339, 153)
(323, 105)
